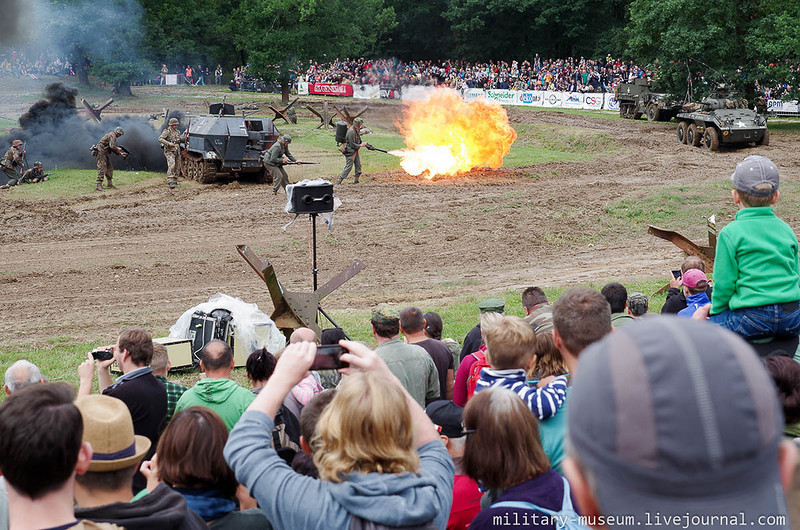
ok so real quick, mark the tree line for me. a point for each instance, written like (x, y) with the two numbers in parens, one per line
(739, 43)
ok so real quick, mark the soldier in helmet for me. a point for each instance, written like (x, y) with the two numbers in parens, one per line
(275, 158)
(34, 174)
(170, 141)
(105, 147)
(12, 163)
(351, 146)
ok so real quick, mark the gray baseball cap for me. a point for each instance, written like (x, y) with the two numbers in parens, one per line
(674, 417)
(754, 171)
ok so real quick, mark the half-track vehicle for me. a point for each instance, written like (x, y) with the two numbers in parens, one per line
(721, 118)
(636, 99)
(223, 146)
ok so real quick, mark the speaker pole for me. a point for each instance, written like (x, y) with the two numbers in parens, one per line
(314, 247)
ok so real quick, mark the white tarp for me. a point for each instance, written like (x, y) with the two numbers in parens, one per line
(529, 98)
(366, 91)
(254, 327)
(302, 88)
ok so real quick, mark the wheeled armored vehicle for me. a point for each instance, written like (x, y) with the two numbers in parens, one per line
(636, 99)
(223, 146)
(721, 119)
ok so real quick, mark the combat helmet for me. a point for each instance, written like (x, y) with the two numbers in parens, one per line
(119, 130)
(173, 121)
(37, 164)
(286, 138)
(17, 143)
(358, 121)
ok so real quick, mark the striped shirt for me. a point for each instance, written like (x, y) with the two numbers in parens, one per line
(544, 402)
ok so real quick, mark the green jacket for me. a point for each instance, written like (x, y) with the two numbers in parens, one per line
(274, 157)
(223, 396)
(756, 262)
(414, 367)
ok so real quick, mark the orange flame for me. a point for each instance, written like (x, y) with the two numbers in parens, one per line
(445, 135)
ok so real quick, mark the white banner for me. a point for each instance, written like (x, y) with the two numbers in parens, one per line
(366, 91)
(415, 92)
(593, 101)
(610, 102)
(504, 97)
(302, 88)
(472, 94)
(776, 105)
(173, 79)
(529, 98)
(552, 99)
(572, 100)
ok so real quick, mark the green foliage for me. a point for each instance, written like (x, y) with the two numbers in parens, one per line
(274, 35)
(728, 41)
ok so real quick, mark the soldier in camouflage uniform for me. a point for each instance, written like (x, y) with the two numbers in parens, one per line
(12, 163)
(170, 140)
(352, 144)
(105, 147)
(274, 160)
(34, 174)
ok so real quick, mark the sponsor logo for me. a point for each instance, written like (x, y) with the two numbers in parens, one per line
(529, 98)
(573, 99)
(552, 99)
(500, 96)
(339, 90)
(592, 100)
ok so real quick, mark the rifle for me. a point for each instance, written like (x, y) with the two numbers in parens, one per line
(127, 153)
(299, 162)
(24, 154)
(373, 148)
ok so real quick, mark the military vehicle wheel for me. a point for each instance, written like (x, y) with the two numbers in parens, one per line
(682, 132)
(622, 111)
(764, 139)
(711, 139)
(653, 113)
(263, 176)
(205, 171)
(637, 115)
(692, 136)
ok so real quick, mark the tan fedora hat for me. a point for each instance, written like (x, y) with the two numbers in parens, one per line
(108, 426)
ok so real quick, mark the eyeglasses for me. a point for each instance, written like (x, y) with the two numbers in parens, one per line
(467, 431)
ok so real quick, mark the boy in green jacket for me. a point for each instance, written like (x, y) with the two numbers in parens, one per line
(756, 278)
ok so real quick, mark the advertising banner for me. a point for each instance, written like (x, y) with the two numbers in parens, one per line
(366, 91)
(302, 88)
(471, 94)
(610, 102)
(552, 99)
(572, 100)
(593, 101)
(529, 98)
(504, 97)
(776, 105)
(320, 89)
(415, 92)
(389, 92)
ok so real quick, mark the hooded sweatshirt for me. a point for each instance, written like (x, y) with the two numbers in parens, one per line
(223, 396)
(290, 500)
(162, 509)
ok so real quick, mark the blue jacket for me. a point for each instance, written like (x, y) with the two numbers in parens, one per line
(291, 500)
(693, 303)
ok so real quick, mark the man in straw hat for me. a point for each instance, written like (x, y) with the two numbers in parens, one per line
(103, 493)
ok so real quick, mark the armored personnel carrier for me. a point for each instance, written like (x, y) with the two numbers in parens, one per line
(719, 119)
(222, 146)
(636, 99)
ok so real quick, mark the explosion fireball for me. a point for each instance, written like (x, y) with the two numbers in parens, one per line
(445, 135)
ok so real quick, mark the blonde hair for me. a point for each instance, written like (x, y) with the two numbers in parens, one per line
(366, 428)
(510, 343)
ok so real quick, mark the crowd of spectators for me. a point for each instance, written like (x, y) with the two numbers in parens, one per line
(15, 63)
(589, 406)
(570, 74)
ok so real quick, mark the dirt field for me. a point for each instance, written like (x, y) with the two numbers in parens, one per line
(83, 267)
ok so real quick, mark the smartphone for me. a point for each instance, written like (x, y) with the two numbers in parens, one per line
(103, 355)
(328, 357)
(676, 273)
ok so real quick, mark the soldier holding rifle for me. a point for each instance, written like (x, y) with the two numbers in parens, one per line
(12, 163)
(170, 140)
(105, 146)
(275, 158)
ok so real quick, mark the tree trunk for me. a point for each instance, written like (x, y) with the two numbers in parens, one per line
(122, 89)
(79, 65)
(284, 92)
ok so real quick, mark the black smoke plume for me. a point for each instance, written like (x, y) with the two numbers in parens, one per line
(56, 134)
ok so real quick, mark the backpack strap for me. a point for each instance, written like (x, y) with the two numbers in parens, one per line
(566, 504)
(522, 505)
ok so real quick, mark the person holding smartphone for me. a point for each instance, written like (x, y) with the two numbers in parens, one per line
(676, 300)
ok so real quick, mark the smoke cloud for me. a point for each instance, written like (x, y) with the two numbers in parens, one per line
(11, 21)
(55, 133)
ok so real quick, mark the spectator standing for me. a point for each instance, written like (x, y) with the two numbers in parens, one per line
(22, 374)
(217, 391)
(538, 311)
(448, 419)
(201, 78)
(412, 326)
(695, 284)
(676, 300)
(473, 339)
(467, 371)
(41, 451)
(304, 462)
(706, 383)
(617, 297)
(161, 365)
(103, 493)
(410, 363)
(433, 329)
(164, 72)
(638, 304)
(218, 75)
